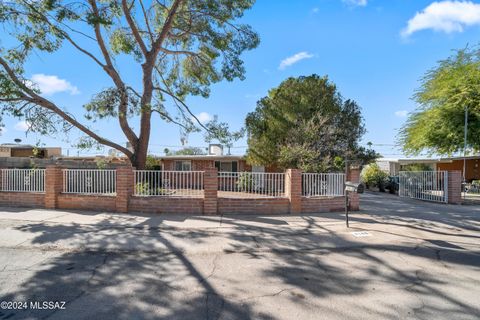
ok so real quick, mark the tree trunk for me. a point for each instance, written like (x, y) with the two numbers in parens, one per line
(139, 160)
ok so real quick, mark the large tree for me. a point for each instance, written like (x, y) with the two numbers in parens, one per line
(437, 126)
(305, 123)
(180, 47)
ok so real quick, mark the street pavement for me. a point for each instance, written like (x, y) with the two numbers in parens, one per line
(400, 259)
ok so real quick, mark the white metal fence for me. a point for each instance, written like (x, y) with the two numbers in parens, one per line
(90, 181)
(424, 185)
(168, 183)
(323, 184)
(23, 180)
(252, 184)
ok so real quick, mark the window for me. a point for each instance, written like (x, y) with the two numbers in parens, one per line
(226, 166)
(183, 165)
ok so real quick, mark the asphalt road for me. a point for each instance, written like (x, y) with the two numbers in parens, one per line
(406, 260)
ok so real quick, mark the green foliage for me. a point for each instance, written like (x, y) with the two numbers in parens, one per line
(146, 188)
(437, 126)
(245, 181)
(373, 176)
(101, 163)
(188, 151)
(142, 188)
(220, 131)
(152, 163)
(305, 123)
(180, 47)
(416, 167)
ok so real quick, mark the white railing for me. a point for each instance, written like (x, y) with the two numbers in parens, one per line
(323, 184)
(251, 184)
(424, 185)
(168, 183)
(90, 181)
(23, 180)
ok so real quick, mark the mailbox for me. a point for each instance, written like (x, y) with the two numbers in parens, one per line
(354, 187)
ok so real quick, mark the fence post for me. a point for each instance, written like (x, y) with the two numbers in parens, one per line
(353, 175)
(210, 191)
(293, 189)
(124, 187)
(53, 186)
(454, 187)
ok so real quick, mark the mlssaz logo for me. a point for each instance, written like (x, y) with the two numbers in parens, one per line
(47, 305)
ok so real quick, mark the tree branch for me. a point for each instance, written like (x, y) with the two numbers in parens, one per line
(47, 104)
(109, 68)
(133, 26)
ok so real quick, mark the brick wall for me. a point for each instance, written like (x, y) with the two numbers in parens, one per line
(322, 204)
(22, 199)
(166, 205)
(455, 187)
(86, 202)
(255, 206)
(209, 204)
(210, 191)
(293, 189)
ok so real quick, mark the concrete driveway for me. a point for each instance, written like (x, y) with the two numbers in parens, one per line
(401, 259)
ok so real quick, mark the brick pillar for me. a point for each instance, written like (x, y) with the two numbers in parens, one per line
(293, 189)
(454, 187)
(53, 186)
(353, 175)
(210, 191)
(124, 188)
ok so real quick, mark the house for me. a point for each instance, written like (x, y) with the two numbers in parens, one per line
(472, 166)
(472, 172)
(9, 150)
(214, 159)
(394, 166)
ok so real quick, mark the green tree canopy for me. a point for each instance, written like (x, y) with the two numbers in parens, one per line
(305, 123)
(179, 47)
(437, 126)
(188, 151)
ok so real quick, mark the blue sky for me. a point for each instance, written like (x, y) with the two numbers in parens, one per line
(374, 50)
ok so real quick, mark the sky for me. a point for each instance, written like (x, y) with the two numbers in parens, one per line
(375, 51)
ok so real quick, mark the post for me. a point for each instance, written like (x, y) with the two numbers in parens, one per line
(454, 192)
(53, 186)
(210, 191)
(293, 189)
(124, 188)
(353, 175)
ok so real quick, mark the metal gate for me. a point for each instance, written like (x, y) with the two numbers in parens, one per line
(424, 185)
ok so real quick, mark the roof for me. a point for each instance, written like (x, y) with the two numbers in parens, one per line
(202, 157)
(427, 160)
(16, 146)
(24, 146)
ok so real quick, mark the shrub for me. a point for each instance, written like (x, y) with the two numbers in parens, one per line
(416, 167)
(373, 176)
(245, 182)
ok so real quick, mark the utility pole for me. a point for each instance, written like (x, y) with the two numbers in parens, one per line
(465, 145)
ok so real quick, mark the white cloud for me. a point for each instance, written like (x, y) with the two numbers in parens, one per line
(445, 16)
(22, 126)
(401, 113)
(356, 3)
(294, 59)
(3, 130)
(49, 85)
(315, 10)
(204, 117)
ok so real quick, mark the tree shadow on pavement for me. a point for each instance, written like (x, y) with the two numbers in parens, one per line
(142, 272)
